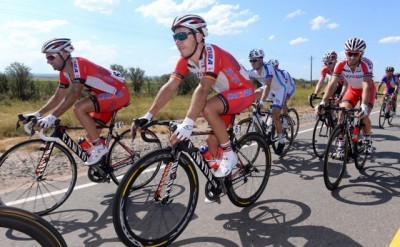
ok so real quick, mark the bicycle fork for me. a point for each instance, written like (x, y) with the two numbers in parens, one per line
(43, 160)
(169, 172)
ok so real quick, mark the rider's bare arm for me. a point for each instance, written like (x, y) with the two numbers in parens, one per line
(330, 88)
(267, 88)
(164, 94)
(54, 101)
(366, 86)
(70, 98)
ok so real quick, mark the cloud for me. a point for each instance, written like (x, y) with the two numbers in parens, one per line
(317, 22)
(298, 41)
(294, 14)
(390, 39)
(100, 6)
(221, 19)
(35, 26)
(271, 37)
(332, 25)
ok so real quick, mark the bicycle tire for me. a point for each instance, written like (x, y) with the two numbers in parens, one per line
(287, 133)
(248, 180)
(124, 152)
(23, 188)
(32, 225)
(382, 116)
(292, 112)
(320, 137)
(137, 216)
(334, 166)
(390, 118)
(359, 153)
(245, 126)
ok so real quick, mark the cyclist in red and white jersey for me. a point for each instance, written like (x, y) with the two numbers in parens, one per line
(329, 59)
(391, 86)
(357, 71)
(108, 93)
(218, 70)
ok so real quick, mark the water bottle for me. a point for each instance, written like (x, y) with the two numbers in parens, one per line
(103, 140)
(85, 145)
(269, 124)
(353, 133)
(209, 158)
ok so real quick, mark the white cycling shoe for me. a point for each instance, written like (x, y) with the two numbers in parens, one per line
(229, 161)
(97, 152)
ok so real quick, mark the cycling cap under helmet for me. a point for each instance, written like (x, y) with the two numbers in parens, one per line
(193, 22)
(389, 68)
(329, 56)
(274, 62)
(256, 53)
(57, 45)
(355, 44)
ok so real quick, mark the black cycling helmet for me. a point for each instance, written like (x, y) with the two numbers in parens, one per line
(389, 69)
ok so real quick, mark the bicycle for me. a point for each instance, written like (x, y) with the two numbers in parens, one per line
(40, 174)
(323, 127)
(294, 116)
(32, 225)
(353, 146)
(385, 111)
(156, 214)
(255, 123)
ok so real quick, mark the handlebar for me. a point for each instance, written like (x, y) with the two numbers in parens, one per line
(29, 124)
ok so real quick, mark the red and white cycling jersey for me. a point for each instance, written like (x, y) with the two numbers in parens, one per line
(219, 65)
(98, 79)
(354, 79)
(325, 71)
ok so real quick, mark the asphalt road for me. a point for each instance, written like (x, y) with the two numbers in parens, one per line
(295, 210)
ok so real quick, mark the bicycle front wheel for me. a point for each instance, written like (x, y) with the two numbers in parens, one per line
(245, 126)
(296, 121)
(336, 157)
(157, 213)
(360, 153)
(287, 132)
(250, 176)
(124, 152)
(382, 115)
(37, 176)
(26, 223)
(320, 136)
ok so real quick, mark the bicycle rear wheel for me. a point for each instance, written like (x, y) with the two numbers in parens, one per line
(146, 215)
(22, 184)
(26, 223)
(296, 121)
(320, 136)
(335, 159)
(245, 126)
(250, 177)
(382, 115)
(124, 152)
(287, 132)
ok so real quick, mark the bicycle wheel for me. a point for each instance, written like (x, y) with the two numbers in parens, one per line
(29, 224)
(382, 115)
(124, 153)
(250, 177)
(147, 216)
(287, 132)
(390, 118)
(320, 136)
(359, 153)
(22, 184)
(335, 159)
(296, 121)
(245, 126)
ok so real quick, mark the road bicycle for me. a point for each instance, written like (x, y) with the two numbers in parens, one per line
(323, 127)
(255, 123)
(353, 145)
(39, 175)
(23, 223)
(294, 116)
(385, 111)
(157, 213)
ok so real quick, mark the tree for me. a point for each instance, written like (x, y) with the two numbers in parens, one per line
(4, 87)
(20, 81)
(120, 69)
(188, 84)
(136, 75)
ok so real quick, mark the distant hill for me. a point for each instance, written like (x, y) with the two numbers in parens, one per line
(45, 75)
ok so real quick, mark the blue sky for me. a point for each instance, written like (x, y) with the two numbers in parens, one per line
(136, 33)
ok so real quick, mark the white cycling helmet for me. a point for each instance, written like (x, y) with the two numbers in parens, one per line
(355, 44)
(193, 22)
(274, 62)
(256, 53)
(329, 56)
(57, 45)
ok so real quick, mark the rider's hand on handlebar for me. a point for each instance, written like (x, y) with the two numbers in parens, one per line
(319, 109)
(363, 112)
(140, 122)
(47, 121)
(311, 97)
(182, 132)
(29, 116)
(260, 103)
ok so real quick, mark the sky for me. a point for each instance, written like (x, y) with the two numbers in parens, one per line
(136, 33)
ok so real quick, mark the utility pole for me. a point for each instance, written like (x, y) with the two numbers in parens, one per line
(311, 59)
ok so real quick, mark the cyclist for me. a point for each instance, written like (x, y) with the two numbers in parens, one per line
(217, 70)
(329, 59)
(274, 87)
(357, 70)
(108, 93)
(392, 83)
(290, 87)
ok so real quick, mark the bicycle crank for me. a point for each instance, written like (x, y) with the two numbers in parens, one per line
(213, 193)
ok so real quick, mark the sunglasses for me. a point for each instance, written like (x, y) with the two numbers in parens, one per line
(181, 36)
(328, 63)
(51, 57)
(353, 54)
(253, 60)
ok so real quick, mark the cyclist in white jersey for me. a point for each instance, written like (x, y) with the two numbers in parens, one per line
(274, 88)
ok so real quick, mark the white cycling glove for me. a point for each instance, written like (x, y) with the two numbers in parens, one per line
(34, 114)
(47, 121)
(184, 129)
(139, 122)
(364, 110)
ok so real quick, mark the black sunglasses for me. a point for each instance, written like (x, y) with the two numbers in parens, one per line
(253, 60)
(181, 36)
(353, 54)
(51, 57)
(328, 63)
